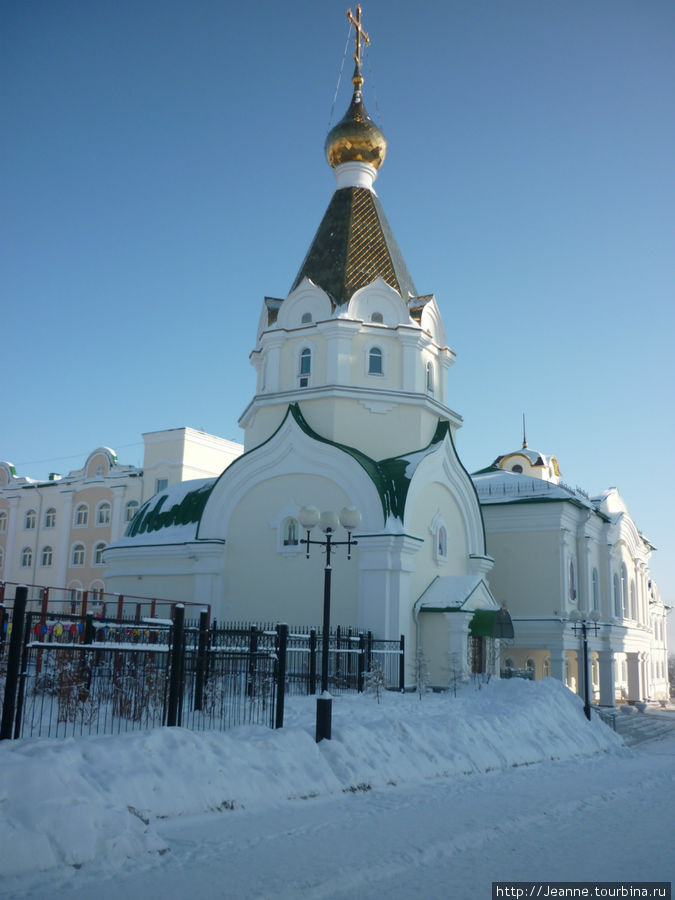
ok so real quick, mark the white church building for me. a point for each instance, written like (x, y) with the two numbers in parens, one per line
(350, 410)
(562, 556)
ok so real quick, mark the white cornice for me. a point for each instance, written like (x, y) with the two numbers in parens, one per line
(344, 392)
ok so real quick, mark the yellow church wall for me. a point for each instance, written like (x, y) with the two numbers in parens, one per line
(273, 585)
(531, 552)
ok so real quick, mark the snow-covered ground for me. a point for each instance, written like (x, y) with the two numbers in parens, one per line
(437, 797)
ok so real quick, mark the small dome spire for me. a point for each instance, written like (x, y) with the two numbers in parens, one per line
(356, 138)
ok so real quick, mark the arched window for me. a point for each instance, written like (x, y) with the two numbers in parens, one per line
(595, 587)
(442, 542)
(529, 664)
(633, 605)
(305, 367)
(47, 556)
(306, 318)
(77, 558)
(291, 532)
(573, 583)
(377, 317)
(98, 553)
(617, 596)
(375, 361)
(50, 518)
(508, 663)
(2, 557)
(517, 468)
(29, 521)
(546, 668)
(26, 558)
(96, 593)
(3, 521)
(103, 513)
(131, 510)
(81, 515)
(439, 538)
(430, 378)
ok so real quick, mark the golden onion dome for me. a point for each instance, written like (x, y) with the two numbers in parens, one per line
(356, 138)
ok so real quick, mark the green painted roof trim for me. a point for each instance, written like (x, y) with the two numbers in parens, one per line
(189, 510)
(392, 476)
(486, 470)
(494, 623)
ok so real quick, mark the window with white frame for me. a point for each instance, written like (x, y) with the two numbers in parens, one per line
(161, 484)
(98, 553)
(3, 521)
(131, 510)
(430, 378)
(375, 364)
(291, 532)
(78, 555)
(96, 593)
(30, 519)
(81, 515)
(26, 558)
(305, 369)
(2, 557)
(546, 668)
(572, 582)
(50, 518)
(103, 513)
(442, 543)
(439, 534)
(47, 556)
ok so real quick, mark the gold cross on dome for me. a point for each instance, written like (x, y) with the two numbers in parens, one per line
(361, 35)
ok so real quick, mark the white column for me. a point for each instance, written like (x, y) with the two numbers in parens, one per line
(412, 370)
(64, 527)
(458, 624)
(635, 685)
(117, 522)
(271, 359)
(339, 334)
(385, 567)
(557, 658)
(13, 526)
(588, 580)
(606, 663)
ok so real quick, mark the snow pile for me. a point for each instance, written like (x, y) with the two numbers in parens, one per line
(76, 800)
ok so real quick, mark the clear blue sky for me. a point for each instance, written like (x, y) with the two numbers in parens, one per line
(163, 171)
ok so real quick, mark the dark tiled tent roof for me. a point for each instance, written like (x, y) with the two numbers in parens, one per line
(352, 247)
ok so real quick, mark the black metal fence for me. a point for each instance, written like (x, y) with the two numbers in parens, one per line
(64, 675)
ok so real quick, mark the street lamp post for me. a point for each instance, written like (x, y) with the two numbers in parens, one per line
(581, 622)
(328, 521)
